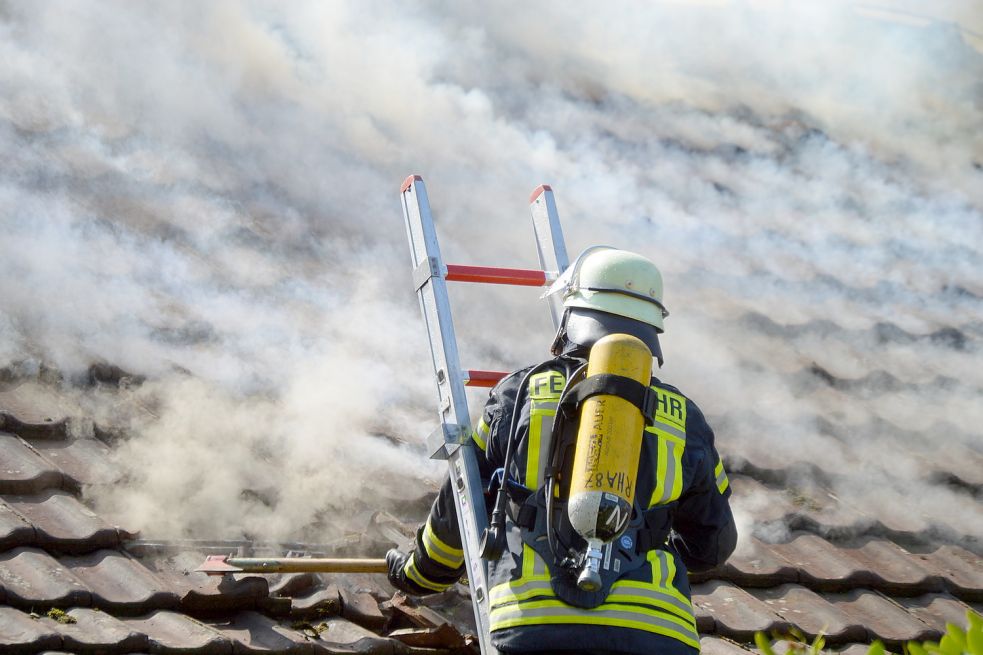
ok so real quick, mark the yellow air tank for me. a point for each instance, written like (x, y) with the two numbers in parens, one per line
(605, 464)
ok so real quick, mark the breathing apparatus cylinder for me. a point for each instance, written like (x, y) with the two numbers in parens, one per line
(605, 465)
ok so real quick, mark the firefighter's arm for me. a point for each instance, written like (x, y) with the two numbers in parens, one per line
(704, 532)
(437, 560)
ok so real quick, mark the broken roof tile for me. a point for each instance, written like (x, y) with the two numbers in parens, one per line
(811, 613)
(23, 470)
(199, 592)
(20, 632)
(293, 584)
(32, 578)
(64, 524)
(252, 632)
(883, 618)
(121, 584)
(323, 602)
(444, 636)
(171, 632)
(95, 631)
(736, 613)
(361, 608)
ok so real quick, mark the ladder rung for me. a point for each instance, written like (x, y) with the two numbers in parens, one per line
(523, 277)
(483, 378)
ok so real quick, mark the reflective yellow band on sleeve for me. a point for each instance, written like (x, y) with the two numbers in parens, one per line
(722, 481)
(480, 434)
(412, 573)
(440, 551)
(669, 429)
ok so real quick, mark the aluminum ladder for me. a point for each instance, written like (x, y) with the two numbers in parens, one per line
(452, 441)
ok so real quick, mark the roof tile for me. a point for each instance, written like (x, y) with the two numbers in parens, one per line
(736, 613)
(962, 570)
(64, 524)
(199, 592)
(251, 632)
(121, 584)
(718, 646)
(21, 633)
(32, 578)
(23, 470)
(754, 564)
(894, 569)
(170, 632)
(323, 602)
(86, 461)
(936, 610)
(359, 607)
(821, 565)
(342, 636)
(811, 613)
(95, 631)
(883, 618)
(15, 530)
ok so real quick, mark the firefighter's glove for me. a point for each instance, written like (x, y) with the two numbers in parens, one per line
(396, 561)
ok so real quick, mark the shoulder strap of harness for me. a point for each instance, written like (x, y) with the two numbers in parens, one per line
(640, 395)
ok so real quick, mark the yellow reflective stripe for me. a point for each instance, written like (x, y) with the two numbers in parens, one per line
(722, 481)
(414, 574)
(544, 392)
(439, 551)
(480, 434)
(664, 571)
(613, 614)
(517, 590)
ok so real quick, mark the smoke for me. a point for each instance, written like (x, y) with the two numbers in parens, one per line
(206, 195)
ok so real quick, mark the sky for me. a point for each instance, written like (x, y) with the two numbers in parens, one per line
(206, 195)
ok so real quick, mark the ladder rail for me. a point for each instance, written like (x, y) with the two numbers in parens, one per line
(452, 439)
(457, 447)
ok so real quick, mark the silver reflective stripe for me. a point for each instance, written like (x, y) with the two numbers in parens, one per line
(545, 405)
(504, 594)
(685, 611)
(669, 428)
(518, 612)
(669, 470)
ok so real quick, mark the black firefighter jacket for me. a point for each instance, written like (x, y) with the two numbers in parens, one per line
(681, 484)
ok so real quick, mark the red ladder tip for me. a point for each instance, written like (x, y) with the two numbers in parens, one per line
(408, 182)
(538, 192)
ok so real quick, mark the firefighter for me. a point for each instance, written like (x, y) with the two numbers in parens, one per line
(680, 519)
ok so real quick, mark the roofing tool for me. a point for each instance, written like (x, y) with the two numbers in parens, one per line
(222, 564)
(452, 439)
(609, 440)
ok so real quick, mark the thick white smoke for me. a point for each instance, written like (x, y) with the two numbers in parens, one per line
(206, 194)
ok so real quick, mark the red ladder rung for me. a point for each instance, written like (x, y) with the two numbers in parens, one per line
(482, 378)
(522, 277)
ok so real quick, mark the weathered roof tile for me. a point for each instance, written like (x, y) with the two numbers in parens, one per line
(821, 565)
(736, 613)
(893, 569)
(31, 578)
(339, 635)
(15, 530)
(171, 632)
(252, 632)
(64, 524)
(121, 584)
(21, 633)
(884, 619)
(23, 470)
(754, 564)
(85, 461)
(962, 570)
(199, 592)
(811, 613)
(935, 610)
(95, 631)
